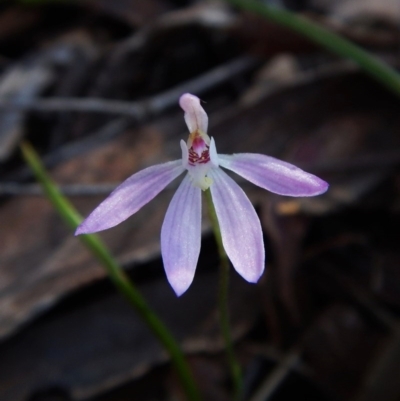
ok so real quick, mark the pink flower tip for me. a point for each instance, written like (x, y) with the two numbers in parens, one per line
(82, 229)
(180, 280)
(189, 102)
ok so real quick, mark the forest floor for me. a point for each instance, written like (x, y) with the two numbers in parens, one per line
(94, 86)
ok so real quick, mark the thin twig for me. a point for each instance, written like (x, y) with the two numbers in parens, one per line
(287, 364)
(86, 105)
(70, 190)
(144, 109)
(138, 110)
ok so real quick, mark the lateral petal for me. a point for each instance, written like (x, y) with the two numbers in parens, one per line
(273, 174)
(240, 226)
(130, 196)
(181, 236)
(213, 153)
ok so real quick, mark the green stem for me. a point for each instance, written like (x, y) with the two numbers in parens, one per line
(117, 275)
(375, 67)
(223, 306)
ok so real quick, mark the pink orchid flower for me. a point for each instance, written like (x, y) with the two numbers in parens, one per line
(181, 231)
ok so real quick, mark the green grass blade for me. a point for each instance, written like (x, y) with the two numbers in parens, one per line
(117, 275)
(372, 65)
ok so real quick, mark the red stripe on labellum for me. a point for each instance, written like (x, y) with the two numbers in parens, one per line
(194, 158)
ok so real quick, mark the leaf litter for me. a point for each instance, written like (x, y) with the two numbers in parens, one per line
(325, 315)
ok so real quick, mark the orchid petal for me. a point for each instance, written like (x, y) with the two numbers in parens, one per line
(240, 226)
(273, 174)
(185, 154)
(181, 236)
(213, 154)
(130, 196)
(195, 117)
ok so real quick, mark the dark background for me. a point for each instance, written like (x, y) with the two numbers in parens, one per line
(322, 323)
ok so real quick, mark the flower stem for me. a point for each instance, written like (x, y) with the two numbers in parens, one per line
(117, 275)
(372, 65)
(223, 307)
